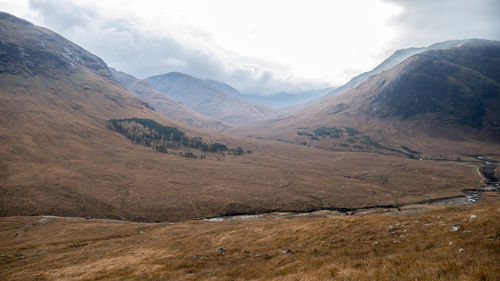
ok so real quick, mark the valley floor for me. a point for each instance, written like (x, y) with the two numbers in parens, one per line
(420, 242)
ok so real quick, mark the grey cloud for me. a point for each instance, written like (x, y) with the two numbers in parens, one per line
(63, 15)
(126, 46)
(424, 22)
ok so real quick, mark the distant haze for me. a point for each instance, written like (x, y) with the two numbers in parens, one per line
(259, 47)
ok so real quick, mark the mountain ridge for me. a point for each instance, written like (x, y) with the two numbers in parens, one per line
(209, 100)
(165, 104)
(439, 88)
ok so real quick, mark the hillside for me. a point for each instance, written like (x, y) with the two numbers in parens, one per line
(440, 102)
(212, 101)
(396, 58)
(165, 104)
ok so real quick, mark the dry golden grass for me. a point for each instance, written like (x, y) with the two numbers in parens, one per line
(416, 244)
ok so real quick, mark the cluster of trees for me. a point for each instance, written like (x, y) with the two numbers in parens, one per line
(161, 138)
(366, 141)
(332, 132)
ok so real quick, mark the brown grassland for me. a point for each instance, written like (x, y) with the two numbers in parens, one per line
(414, 244)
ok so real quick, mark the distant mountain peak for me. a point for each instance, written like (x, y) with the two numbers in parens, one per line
(211, 98)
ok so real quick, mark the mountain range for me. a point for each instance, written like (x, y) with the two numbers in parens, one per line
(80, 139)
(213, 99)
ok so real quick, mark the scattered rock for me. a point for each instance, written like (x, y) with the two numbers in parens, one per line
(461, 250)
(391, 226)
(428, 224)
(141, 231)
(472, 217)
(376, 243)
(246, 251)
(394, 242)
(404, 230)
(287, 252)
(20, 258)
(451, 243)
(3, 256)
(221, 250)
(42, 220)
(456, 227)
(467, 231)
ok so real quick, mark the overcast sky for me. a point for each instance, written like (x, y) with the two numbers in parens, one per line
(258, 46)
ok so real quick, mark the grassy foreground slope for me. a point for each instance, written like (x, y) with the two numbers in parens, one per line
(415, 244)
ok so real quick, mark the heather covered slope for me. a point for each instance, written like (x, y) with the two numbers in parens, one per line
(202, 96)
(165, 104)
(440, 102)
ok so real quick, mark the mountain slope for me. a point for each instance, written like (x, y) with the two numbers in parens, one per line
(393, 60)
(225, 88)
(440, 101)
(209, 100)
(166, 105)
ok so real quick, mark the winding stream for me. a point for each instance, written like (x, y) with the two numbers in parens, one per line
(470, 196)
